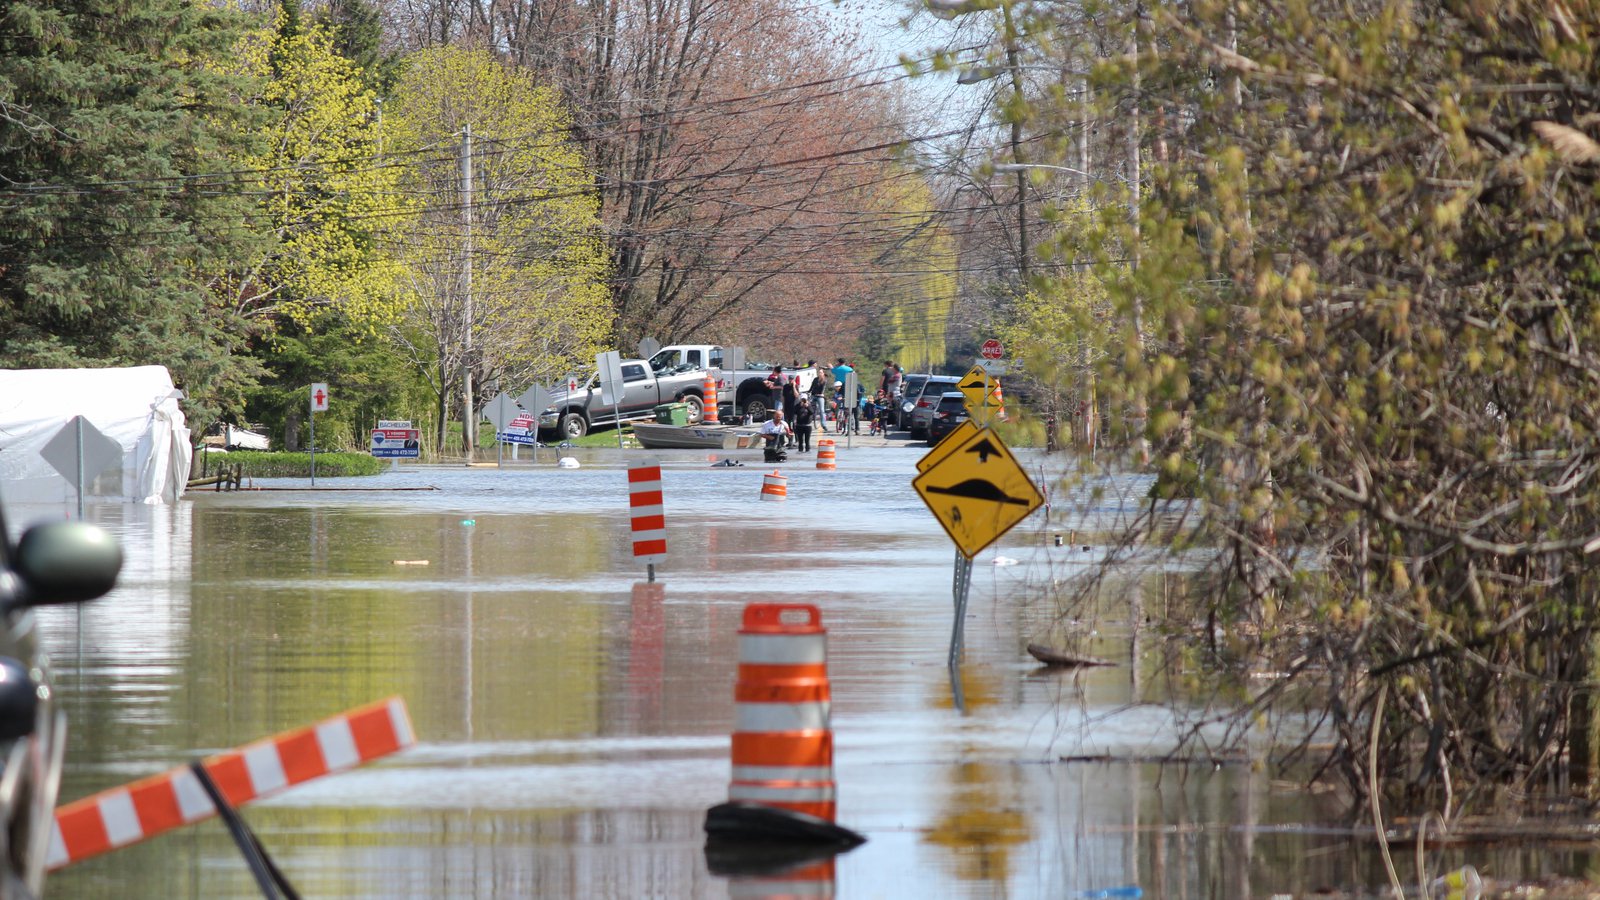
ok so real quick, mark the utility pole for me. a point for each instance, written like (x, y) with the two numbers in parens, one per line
(469, 421)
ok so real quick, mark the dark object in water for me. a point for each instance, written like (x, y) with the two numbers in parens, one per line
(755, 825)
(772, 455)
(730, 463)
(1053, 657)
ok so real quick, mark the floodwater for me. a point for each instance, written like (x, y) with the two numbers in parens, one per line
(572, 729)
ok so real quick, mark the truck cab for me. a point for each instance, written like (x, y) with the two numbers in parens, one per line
(685, 358)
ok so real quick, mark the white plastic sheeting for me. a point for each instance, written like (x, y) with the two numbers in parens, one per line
(137, 408)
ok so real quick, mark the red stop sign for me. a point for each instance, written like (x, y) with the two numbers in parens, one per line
(992, 349)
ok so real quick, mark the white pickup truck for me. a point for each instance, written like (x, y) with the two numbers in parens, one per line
(745, 389)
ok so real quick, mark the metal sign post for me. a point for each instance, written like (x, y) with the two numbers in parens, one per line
(534, 400)
(852, 412)
(319, 403)
(500, 412)
(611, 388)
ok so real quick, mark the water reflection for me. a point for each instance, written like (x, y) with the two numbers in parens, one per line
(574, 722)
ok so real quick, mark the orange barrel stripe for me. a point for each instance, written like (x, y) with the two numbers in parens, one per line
(708, 392)
(782, 740)
(826, 458)
(774, 487)
(647, 510)
(145, 808)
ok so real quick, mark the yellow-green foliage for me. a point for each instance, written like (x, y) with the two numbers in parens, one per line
(322, 193)
(539, 258)
(918, 317)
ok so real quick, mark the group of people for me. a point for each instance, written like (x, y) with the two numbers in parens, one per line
(800, 404)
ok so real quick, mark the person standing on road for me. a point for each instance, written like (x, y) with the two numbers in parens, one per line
(819, 386)
(791, 396)
(775, 381)
(840, 371)
(889, 383)
(803, 417)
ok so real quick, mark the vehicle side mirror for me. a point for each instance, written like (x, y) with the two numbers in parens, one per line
(60, 562)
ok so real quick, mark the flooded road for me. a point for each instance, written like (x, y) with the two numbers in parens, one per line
(573, 730)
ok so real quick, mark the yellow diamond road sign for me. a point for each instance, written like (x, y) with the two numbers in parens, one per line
(978, 491)
(954, 439)
(980, 388)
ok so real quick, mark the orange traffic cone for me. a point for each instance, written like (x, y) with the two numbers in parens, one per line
(708, 399)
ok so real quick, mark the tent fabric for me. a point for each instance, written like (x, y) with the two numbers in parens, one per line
(137, 408)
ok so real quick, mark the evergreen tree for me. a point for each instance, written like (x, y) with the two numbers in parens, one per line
(107, 114)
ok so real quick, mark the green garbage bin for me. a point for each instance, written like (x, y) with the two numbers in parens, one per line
(672, 414)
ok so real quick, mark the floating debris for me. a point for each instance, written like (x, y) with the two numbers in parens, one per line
(1053, 657)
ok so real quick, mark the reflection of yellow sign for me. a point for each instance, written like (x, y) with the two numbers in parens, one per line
(982, 390)
(954, 439)
(978, 491)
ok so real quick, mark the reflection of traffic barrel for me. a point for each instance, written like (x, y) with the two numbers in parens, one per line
(800, 882)
(774, 487)
(826, 458)
(782, 790)
(782, 745)
(708, 397)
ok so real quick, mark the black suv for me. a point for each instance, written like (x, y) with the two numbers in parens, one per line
(951, 411)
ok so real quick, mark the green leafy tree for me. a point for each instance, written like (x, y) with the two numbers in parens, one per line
(538, 305)
(109, 229)
(324, 197)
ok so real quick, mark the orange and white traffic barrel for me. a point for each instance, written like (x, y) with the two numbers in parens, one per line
(646, 510)
(708, 397)
(782, 740)
(826, 458)
(775, 487)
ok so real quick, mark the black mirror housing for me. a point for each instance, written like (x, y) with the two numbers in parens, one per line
(64, 562)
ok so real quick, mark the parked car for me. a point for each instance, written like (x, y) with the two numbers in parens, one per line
(910, 387)
(950, 411)
(926, 400)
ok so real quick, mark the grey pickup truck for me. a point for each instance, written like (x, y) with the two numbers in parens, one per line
(578, 407)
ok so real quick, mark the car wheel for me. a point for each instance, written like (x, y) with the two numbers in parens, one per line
(697, 408)
(574, 426)
(919, 435)
(756, 408)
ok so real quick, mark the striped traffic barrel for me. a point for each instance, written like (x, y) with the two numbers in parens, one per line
(825, 455)
(647, 521)
(774, 487)
(782, 742)
(708, 398)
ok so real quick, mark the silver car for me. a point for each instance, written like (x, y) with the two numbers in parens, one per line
(928, 398)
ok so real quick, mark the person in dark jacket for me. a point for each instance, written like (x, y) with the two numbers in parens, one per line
(803, 417)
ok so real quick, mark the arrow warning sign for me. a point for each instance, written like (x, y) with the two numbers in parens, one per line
(978, 491)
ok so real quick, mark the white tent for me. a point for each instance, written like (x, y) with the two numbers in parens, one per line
(136, 408)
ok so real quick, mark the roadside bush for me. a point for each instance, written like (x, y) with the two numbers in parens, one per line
(298, 465)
